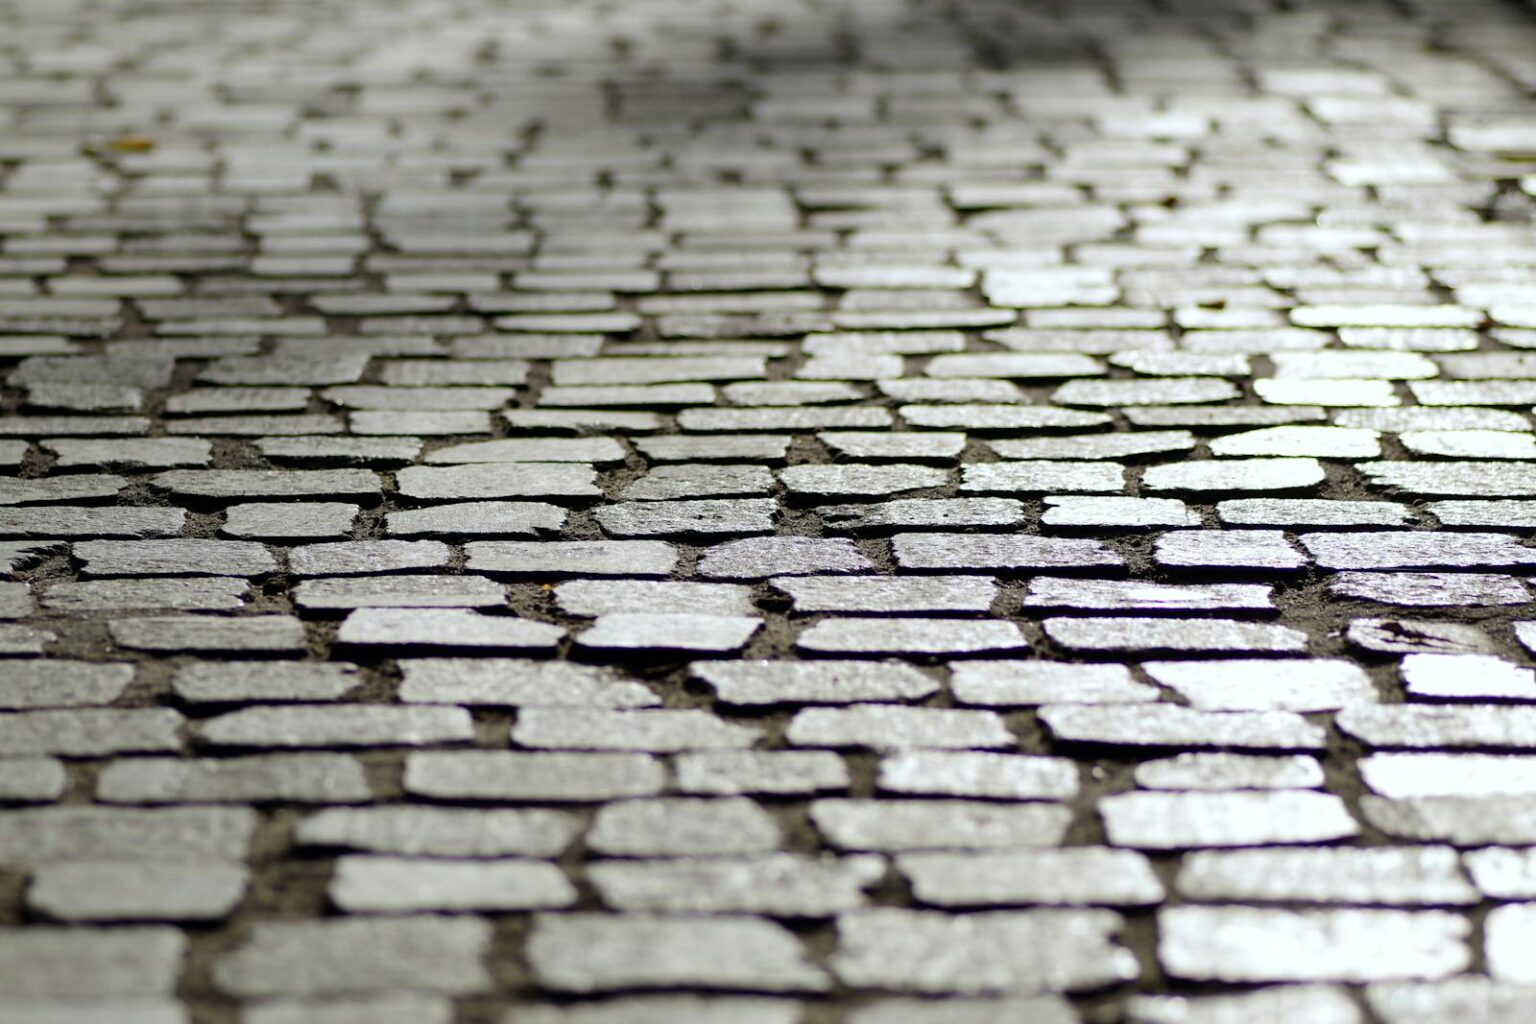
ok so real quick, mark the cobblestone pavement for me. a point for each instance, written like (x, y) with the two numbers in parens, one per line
(767, 512)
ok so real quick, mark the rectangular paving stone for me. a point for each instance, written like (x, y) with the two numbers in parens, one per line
(367, 557)
(415, 831)
(1501, 872)
(39, 836)
(290, 521)
(84, 963)
(392, 885)
(543, 559)
(498, 480)
(691, 480)
(1447, 774)
(1000, 951)
(1317, 1003)
(647, 632)
(753, 448)
(654, 1009)
(957, 390)
(254, 682)
(1266, 684)
(285, 778)
(1431, 589)
(996, 417)
(1175, 726)
(775, 772)
(23, 639)
(32, 779)
(1043, 477)
(922, 513)
(1022, 683)
(1466, 677)
(387, 1009)
(407, 953)
(150, 452)
(174, 557)
(1221, 771)
(254, 426)
(351, 592)
(1169, 391)
(1313, 512)
(1134, 595)
(898, 445)
(1300, 441)
(604, 596)
(773, 419)
(15, 600)
(791, 682)
(89, 732)
(1015, 366)
(477, 519)
(885, 726)
(456, 627)
(1430, 727)
(1173, 821)
(1431, 418)
(511, 682)
(593, 451)
(1195, 635)
(761, 557)
(73, 426)
(292, 371)
(952, 551)
(117, 891)
(1119, 513)
(236, 484)
(1077, 876)
(1470, 444)
(658, 731)
(84, 521)
(257, 634)
(1200, 944)
(1461, 998)
(909, 636)
(709, 517)
(343, 450)
(656, 370)
(1416, 550)
(1202, 417)
(859, 480)
(1497, 515)
(532, 777)
(682, 826)
(1228, 475)
(1258, 550)
(587, 952)
(49, 490)
(354, 725)
(1459, 820)
(1388, 876)
(62, 683)
(1095, 446)
(1450, 479)
(887, 825)
(779, 885)
(979, 775)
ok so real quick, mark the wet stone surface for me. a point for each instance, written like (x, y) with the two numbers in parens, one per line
(767, 512)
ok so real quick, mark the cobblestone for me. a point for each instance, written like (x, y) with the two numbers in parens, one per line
(604, 953)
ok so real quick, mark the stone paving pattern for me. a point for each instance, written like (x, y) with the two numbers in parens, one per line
(767, 512)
